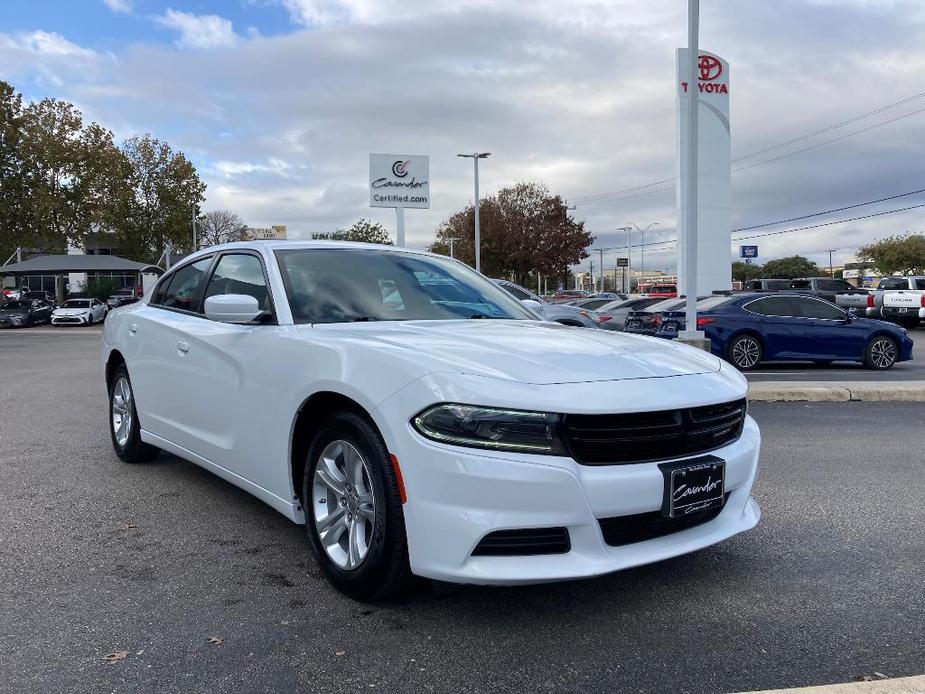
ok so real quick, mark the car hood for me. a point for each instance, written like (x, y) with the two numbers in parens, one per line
(530, 351)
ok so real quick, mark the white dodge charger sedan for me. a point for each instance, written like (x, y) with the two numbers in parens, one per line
(420, 421)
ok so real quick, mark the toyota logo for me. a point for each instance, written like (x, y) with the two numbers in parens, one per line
(400, 168)
(710, 68)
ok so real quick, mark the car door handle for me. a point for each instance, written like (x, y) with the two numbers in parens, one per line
(133, 328)
(183, 347)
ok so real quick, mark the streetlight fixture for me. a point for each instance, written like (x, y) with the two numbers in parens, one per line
(475, 156)
(642, 245)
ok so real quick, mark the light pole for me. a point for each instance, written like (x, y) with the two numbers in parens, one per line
(475, 156)
(642, 245)
(831, 269)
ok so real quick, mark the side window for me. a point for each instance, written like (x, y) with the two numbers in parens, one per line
(516, 292)
(182, 290)
(240, 273)
(812, 308)
(920, 284)
(772, 306)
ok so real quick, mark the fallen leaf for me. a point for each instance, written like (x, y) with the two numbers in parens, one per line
(340, 653)
(215, 641)
(115, 657)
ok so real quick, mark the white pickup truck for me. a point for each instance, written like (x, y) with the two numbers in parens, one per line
(870, 305)
(905, 306)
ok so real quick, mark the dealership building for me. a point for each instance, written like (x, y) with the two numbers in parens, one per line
(62, 275)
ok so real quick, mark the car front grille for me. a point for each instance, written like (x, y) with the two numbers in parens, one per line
(639, 527)
(519, 543)
(619, 439)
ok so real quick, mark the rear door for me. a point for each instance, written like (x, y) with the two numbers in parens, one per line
(776, 320)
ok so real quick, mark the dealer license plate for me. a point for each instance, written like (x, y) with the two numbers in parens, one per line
(634, 324)
(693, 485)
(670, 326)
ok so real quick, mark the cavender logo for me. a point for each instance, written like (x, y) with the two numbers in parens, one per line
(400, 168)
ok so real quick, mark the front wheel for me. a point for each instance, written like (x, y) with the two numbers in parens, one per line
(353, 508)
(123, 421)
(744, 352)
(881, 353)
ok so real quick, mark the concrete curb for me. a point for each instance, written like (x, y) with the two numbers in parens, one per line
(902, 685)
(837, 391)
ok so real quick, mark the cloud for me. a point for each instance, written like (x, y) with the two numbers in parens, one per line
(582, 99)
(200, 32)
(124, 6)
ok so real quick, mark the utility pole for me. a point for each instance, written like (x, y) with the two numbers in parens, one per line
(475, 156)
(831, 269)
(195, 240)
(601, 252)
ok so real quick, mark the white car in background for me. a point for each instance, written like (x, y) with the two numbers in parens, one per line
(419, 420)
(79, 312)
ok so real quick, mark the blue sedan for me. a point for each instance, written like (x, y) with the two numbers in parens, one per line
(747, 329)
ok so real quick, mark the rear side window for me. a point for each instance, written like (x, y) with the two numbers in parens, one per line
(801, 284)
(812, 308)
(181, 290)
(772, 306)
(240, 273)
(892, 283)
(516, 292)
(920, 284)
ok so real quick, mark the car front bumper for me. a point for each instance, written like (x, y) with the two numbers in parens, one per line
(456, 496)
(69, 320)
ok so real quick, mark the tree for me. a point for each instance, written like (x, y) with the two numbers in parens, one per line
(165, 190)
(790, 267)
(219, 226)
(903, 253)
(363, 231)
(742, 272)
(524, 229)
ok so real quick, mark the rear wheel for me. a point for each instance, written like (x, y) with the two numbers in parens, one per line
(881, 353)
(744, 352)
(353, 509)
(123, 421)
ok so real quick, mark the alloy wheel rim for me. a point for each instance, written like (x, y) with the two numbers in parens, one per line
(746, 353)
(122, 411)
(343, 504)
(883, 353)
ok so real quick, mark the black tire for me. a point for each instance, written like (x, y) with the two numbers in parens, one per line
(910, 323)
(880, 353)
(744, 352)
(384, 570)
(133, 449)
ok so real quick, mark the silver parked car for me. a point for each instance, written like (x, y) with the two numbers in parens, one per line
(559, 313)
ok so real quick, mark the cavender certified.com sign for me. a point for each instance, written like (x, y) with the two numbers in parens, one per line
(399, 180)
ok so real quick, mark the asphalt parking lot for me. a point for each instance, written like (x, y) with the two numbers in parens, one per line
(203, 588)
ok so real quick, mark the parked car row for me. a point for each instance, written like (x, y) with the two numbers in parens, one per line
(751, 328)
(897, 299)
(26, 311)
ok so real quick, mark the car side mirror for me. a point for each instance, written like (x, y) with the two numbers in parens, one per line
(534, 306)
(232, 308)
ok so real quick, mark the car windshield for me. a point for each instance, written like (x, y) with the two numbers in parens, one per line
(339, 285)
(76, 303)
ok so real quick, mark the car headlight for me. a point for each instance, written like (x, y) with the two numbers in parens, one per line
(490, 427)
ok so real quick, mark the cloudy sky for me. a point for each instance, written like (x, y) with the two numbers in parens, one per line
(279, 102)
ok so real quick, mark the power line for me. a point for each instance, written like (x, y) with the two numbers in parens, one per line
(616, 196)
(825, 212)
